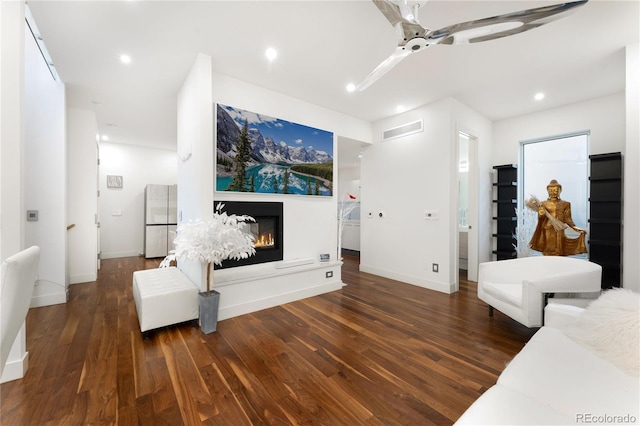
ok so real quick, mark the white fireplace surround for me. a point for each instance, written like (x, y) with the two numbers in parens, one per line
(251, 288)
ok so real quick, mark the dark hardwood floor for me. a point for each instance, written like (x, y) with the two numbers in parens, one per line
(376, 352)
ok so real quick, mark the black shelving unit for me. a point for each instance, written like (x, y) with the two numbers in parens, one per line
(505, 201)
(605, 216)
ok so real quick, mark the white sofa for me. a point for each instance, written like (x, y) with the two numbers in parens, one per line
(518, 287)
(19, 273)
(582, 367)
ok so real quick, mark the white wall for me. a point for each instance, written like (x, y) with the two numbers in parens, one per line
(604, 117)
(631, 240)
(403, 178)
(45, 174)
(195, 149)
(11, 157)
(11, 127)
(315, 215)
(82, 190)
(122, 209)
(310, 222)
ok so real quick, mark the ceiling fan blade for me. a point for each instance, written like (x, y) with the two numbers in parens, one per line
(390, 11)
(500, 26)
(398, 55)
(402, 18)
(396, 12)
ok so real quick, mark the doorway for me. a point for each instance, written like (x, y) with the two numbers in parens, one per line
(349, 155)
(467, 212)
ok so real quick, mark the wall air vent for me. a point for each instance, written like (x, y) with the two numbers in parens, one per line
(404, 130)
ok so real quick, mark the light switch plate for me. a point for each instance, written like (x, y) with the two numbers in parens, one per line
(431, 214)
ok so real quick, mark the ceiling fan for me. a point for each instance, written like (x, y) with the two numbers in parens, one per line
(413, 37)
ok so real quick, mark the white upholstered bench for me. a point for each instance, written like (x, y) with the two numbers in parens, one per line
(164, 296)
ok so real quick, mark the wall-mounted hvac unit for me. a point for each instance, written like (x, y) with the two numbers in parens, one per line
(404, 130)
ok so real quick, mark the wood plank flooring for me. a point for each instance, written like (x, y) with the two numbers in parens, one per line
(377, 352)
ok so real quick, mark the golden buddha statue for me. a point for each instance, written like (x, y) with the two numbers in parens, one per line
(554, 216)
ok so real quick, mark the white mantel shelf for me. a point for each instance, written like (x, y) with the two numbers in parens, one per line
(240, 275)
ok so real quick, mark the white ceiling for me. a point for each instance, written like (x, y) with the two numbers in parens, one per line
(322, 46)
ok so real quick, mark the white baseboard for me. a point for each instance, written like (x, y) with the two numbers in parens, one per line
(83, 278)
(442, 287)
(49, 299)
(14, 370)
(118, 254)
(279, 299)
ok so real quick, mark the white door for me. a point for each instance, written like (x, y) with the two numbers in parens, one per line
(472, 271)
(98, 203)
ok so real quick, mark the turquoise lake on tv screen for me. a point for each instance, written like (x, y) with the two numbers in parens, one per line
(264, 176)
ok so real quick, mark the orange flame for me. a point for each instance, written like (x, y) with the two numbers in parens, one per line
(264, 240)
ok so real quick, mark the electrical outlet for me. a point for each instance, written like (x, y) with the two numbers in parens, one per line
(328, 274)
(434, 267)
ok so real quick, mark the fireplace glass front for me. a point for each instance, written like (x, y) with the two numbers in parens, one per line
(267, 230)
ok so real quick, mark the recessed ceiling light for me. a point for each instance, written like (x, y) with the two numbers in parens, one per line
(400, 109)
(271, 54)
(125, 59)
(539, 96)
(351, 87)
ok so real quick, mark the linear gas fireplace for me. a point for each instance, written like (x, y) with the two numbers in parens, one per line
(267, 230)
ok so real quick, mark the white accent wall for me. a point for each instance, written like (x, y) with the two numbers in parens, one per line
(82, 192)
(122, 209)
(11, 127)
(310, 222)
(11, 158)
(45, 165)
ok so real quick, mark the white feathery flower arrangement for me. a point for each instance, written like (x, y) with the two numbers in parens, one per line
(525, 227)
(212, 241)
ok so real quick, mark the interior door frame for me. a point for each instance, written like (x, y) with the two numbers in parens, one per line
(473, 248)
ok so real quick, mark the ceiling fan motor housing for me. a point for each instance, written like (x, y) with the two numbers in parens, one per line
(416, 44)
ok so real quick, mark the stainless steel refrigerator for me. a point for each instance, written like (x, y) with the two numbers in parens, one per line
(160, 219)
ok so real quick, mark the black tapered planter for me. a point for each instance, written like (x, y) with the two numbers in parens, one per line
(208, 302)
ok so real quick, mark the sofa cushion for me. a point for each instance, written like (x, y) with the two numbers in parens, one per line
(502, 406)
(566, 376)
(610, 326)
(508, 293)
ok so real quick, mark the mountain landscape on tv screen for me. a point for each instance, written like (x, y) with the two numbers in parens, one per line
(286, 159)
